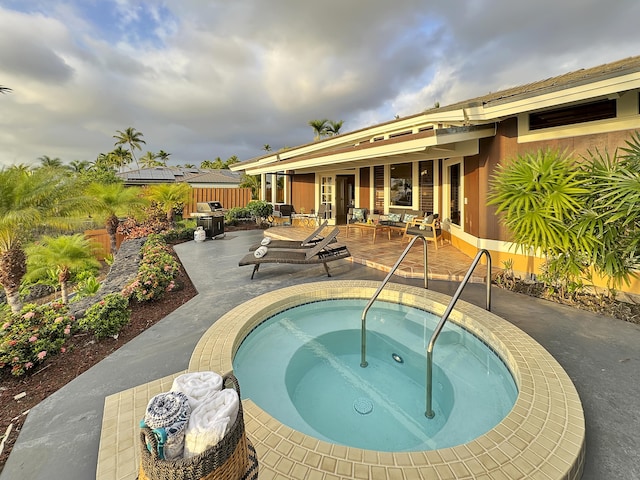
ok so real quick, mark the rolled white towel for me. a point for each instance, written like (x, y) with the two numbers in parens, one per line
(260, 252)
(265, 241)
(197, 386)
(210, 421)
(167, 414)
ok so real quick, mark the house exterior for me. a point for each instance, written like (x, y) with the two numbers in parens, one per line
(441, 160)
(196, 177)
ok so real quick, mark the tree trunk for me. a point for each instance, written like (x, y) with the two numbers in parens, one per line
(13, 299)
(13, 266)
(64, 292)
(112, 228)
(63, 278)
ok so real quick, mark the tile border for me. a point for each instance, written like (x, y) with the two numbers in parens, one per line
(542, 437)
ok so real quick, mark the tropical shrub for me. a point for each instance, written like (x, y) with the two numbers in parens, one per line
(260, 209)
(86, 286)
(106, 317)
(156, 272)
(237, 214)
(539, 196)
(28, 338)
(582, 216)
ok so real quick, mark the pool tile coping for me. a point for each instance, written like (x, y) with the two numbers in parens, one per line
(542, 437)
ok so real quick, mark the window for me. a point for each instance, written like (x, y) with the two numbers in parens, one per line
(587, 112)
(378, 189)
(401, 184)
(454, 172)
(426, 186)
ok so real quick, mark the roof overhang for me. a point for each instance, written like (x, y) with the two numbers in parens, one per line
(436, 143)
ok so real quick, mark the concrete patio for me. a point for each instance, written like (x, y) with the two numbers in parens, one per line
(61, 436)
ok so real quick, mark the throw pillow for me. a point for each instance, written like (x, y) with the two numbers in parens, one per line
(394, 217)
(426, 221)
(408, 217)
(358, 214)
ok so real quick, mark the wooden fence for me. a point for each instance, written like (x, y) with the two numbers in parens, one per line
(228, 197)
(102, 241)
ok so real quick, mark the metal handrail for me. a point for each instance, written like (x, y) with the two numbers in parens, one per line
(429, 413)
(363, 354)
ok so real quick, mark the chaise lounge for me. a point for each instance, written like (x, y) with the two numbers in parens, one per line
(320, 253)
(310, 241)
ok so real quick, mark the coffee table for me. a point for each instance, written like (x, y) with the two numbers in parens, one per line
(374, 227)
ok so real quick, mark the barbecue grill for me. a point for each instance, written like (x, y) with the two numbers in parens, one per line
(210, 216)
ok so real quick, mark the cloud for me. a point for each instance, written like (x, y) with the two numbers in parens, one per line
(219, 78)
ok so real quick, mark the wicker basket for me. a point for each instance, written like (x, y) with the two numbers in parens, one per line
(228, 460)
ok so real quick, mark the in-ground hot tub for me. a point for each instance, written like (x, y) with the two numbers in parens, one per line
(541, 436)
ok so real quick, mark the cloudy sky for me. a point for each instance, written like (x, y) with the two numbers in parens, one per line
(202, 79)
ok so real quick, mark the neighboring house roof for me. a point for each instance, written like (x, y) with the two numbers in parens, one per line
(214, 176)
(147, 176)
(438, 128)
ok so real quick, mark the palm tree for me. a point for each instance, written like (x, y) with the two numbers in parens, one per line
(49, 162)
(252, 182)
(168, 196)
(119, 157)
(230, 161)
(66, 253)
(319, 128)
(132, 138)
(333, 128)
(115, 200)
(163, 156)
(79, 166)
(4, 89)
(148, 160)
(266, 147)
(30, 200)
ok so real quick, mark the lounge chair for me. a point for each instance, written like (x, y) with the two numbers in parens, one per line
(310, 241)
(320, 253)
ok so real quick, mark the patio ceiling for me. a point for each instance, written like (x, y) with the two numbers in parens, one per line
(425, 145)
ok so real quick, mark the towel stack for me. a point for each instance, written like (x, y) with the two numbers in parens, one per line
(212, 411)
(167, 416)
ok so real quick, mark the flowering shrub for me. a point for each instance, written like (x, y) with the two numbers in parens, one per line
(156, 271)
(37, 333)
(107, 317)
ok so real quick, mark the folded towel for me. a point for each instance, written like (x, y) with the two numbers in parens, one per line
(265, 241)
(210, 421)
(167, 415)
(260, 252)
(197, 386)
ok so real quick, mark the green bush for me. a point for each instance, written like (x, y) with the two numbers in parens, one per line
(27, 339)
(156, 272)
(87, 285)
(236, 214)
(107, 317)
(260, 209)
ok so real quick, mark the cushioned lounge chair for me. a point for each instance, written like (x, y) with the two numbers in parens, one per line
(322, 252)
(308, 242)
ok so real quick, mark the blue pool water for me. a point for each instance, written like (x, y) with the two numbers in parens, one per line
(302, 366)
